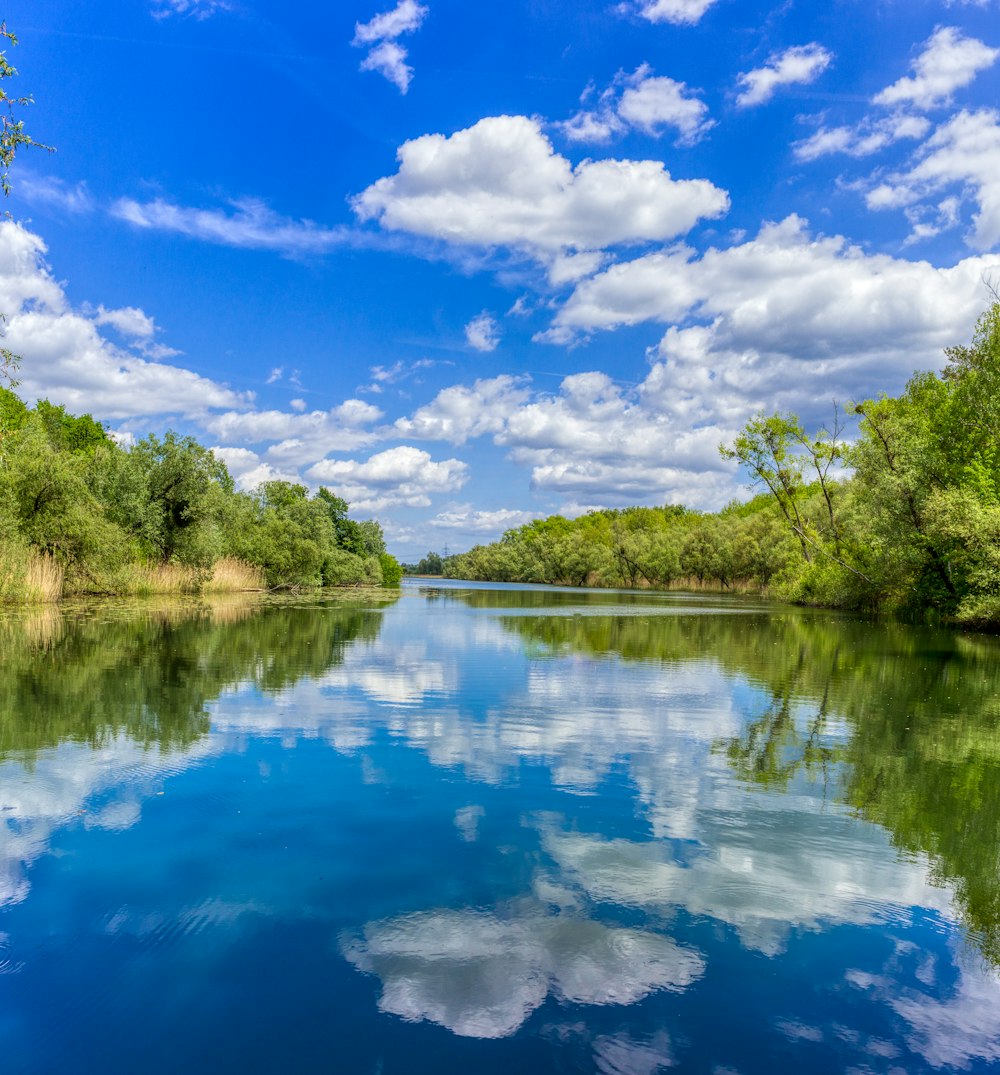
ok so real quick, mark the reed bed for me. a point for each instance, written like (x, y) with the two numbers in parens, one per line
(43, 578)
(28, 576)
(230, 575)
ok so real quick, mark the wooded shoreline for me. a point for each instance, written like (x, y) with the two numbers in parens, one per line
(904, 517)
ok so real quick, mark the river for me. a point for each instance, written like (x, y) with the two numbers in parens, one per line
(476, 828)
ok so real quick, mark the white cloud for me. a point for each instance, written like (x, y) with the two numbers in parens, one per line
(298, 438)
(862, 140)
(591, 439)
(196, 9)
(398, 371)
(789, 294)
(386, 56)
(678, 12)
(459, 413)
(483, 333)
(796, 65)
(645, 102)
(964, 151)
(251, 225)
(589, 126)
(389, 60)
(927, 221)
(948, 62)
(128, 320)
(470, 521)
(136, 326)
(65, 356)
(790, 321)
(500, 183)
(656, 102)
(398, 476)
(405, 18)
(249, 470)
(54, 193)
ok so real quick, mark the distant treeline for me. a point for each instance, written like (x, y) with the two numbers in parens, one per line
(81, 514)
(906, 517)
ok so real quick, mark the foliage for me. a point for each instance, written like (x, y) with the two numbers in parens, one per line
(160, 516)
(907, 518)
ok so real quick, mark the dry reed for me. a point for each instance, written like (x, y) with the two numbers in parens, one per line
(43, 578)
(232, 576)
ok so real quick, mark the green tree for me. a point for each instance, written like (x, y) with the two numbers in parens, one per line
(186, 488)
(765, 448)
(348, 534)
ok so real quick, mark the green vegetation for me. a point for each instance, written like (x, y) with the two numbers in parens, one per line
(81, 514)
(906, 518)
(431, 564)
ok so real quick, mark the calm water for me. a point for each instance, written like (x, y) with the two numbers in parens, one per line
(498, 829)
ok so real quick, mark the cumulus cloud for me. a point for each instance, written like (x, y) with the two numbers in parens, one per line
(863, 139)
(963, 152)
(298, 438)
(398, 476)
(644, 102)
(248, 470)
(250, 225)
(483, 333)
(471, 521)
(788, 293)
(678, 12)
(66, 357)
(947, 63)
(462, 412)
(786, 320)
(797, 65)
(590, 440)
(385, 56)
(138, 328)
(500, 183)
(128, 320)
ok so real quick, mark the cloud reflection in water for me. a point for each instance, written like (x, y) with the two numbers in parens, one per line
(481, 975)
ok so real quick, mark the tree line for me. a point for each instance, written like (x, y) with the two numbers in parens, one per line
(903, 516)
(80, 513)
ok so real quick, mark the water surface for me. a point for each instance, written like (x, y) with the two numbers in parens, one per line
(496, 828)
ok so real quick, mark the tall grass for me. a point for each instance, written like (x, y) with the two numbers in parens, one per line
(27, 575)
(43, 578)
(231, 576)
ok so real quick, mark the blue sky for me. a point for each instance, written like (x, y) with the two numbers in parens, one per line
(468, 264)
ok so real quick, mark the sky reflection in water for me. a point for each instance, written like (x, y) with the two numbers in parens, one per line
(477, 829)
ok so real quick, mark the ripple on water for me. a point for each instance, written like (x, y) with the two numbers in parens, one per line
(9, 963)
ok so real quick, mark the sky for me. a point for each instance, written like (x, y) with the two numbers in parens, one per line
(473, 264)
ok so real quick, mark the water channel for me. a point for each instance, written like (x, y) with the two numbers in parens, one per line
(479, 828)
